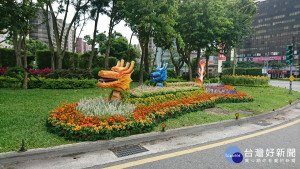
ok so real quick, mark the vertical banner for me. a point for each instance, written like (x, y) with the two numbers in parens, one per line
(222, 57)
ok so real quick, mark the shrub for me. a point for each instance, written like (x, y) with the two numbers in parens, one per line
(7, 57)
(171, 73)
(102, 107)
(3, 70)
(245, 80)
(214, 80)
(135, 76)
(95, 72)
(40, 72)
(70, 74)
(98, 61)
(68, 83)
(243, 71)
(44, 59)
(159, 96)
(15, 72)
(8, 82)
(175, 80)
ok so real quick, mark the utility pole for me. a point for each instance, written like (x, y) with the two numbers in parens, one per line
(293, 44)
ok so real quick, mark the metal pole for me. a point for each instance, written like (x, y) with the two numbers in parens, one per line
(293, 43)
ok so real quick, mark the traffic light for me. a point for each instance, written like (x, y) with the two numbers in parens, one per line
(289, 51)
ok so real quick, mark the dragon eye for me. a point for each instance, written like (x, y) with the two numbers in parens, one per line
(115, 70)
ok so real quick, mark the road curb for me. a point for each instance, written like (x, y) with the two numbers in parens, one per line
(84, 147)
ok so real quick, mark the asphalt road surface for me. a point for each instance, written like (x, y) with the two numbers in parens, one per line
(286, 84)
(282, 140)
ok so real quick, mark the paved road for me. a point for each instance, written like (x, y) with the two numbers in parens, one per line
(284, 140)
(286, 84)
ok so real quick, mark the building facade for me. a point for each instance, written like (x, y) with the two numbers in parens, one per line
(276, 23)
(82, 46)
(40, 31)
(3, 42)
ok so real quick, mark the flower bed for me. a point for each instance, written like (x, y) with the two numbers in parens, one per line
(148, 91)
(219, 88)
(245, 80)
(67, 121)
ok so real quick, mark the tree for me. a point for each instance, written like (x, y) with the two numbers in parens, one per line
(119, 46)
(276, 65)
(186, 28)
(241, 14)
(34, 45)
(98, 7)
(50, 43)
(144, 17)
(61, 34)
(115, 14)
(248, 64)
(14, 19)
(100, 39)
(76, 25)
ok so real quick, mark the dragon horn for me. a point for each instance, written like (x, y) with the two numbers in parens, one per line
(165, 66)
(130, 68)
(118, 64)
(127, 65)
(122, 63)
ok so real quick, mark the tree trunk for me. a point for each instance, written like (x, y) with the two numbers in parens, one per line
(161, 56)
(17, 47)
(25, 81)
(141, 64)
(190, 71)
(198, 57)
(107, 51)
(129, 49)
(73, 48)
(176, 66)
(207, 60)
(152, 68)
(146, 57)
(51, 47)
(234, 58)
(93, 43)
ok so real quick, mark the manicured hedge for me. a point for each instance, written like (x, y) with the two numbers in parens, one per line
(70, 74)
(245, 80)
(44, 59)
(243, 71)
(135, 76)
(98, 61)
(8, 82)
(8, 58)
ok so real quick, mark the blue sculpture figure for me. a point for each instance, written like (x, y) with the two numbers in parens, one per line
(160, 75)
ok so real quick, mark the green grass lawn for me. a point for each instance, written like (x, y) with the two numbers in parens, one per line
(23, 113)
(265, 99)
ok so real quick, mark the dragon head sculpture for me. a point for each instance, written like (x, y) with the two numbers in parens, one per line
(118, 79)
(160, 75)
(200, 73)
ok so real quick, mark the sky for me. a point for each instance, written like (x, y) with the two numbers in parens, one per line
(103, 25)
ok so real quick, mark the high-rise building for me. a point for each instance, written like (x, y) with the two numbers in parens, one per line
(3, 42)
(82, 46)
(40, 31)
(276, 23)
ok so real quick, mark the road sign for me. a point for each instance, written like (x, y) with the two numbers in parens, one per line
(292, 78)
